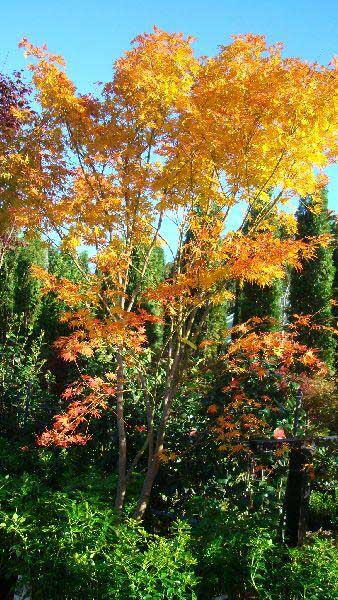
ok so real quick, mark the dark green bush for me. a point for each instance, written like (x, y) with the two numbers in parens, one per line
(70, 546)
(239, 553)
(305, 573)
(323, 509)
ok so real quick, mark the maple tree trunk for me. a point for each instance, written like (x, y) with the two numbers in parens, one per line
(154, 463)
(146, 489)
(121, 483)
(155, 457)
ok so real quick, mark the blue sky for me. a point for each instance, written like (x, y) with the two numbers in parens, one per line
(90, 34)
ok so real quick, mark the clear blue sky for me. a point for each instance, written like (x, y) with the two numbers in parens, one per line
(90, 34)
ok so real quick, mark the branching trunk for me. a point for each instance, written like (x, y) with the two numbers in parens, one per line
(154, 462)
(136, 460)
(121, 484)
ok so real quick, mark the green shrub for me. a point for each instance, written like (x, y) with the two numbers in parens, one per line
(323, 509)
(240, 553)
(70, 546)
(223, 540)
(305, 573)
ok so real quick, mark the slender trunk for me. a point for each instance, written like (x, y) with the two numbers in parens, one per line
(154, 463)
(170, 389)
(136, 460)
(121, 484)
(146, 489)
(150, 428)
(153, 466)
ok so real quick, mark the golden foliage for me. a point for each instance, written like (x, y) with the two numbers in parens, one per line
(171, 136)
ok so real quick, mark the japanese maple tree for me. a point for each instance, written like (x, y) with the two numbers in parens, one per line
(170, 138)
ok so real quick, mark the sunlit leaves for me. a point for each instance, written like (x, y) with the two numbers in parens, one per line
(263, 370)
(177, 137)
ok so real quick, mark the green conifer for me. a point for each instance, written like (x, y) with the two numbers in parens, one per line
(154, 274)
(311, 289)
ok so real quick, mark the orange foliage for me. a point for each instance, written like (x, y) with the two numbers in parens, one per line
(255, 359)
(92, 397)
(172, 136)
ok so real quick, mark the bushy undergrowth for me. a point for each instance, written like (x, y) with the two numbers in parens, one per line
(241, 554)
(66, 543)
(70, 546)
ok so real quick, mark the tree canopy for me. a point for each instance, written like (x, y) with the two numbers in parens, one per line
(171, 136)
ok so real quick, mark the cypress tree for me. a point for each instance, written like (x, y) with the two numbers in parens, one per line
(24, 311)
(253, 300)
(60, 264)
(27, 297)
(154, 274)
(311, 289)
(7, 292)
(22, 376)
(20, 299)
(265, 302)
